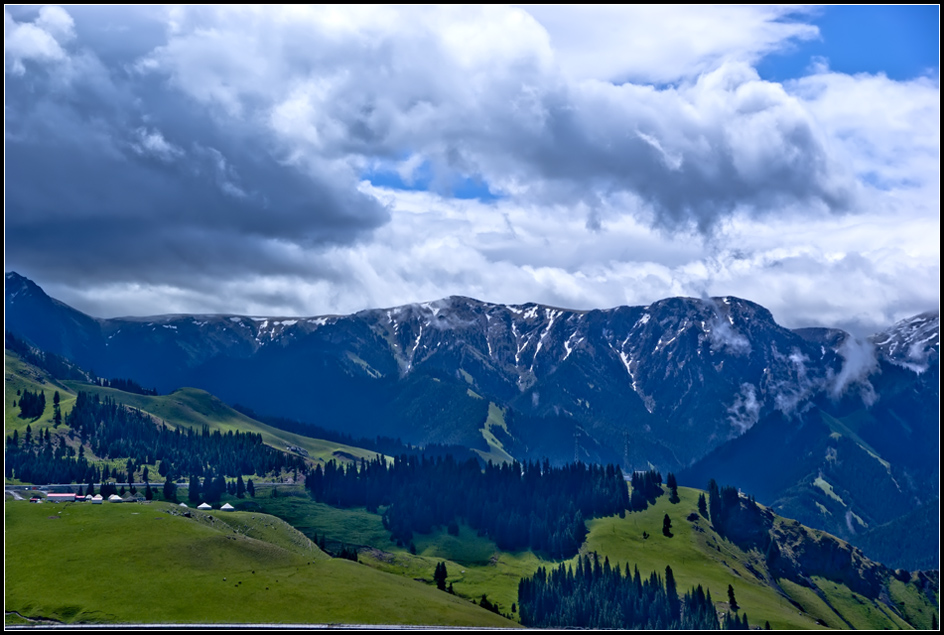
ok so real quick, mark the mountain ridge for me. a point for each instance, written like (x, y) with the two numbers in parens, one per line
(667, 385)
(510, 352)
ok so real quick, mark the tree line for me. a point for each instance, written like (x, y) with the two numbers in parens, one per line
(600, 596)
(519, 506)
(379, 444)
(112, 430)
(129, 385)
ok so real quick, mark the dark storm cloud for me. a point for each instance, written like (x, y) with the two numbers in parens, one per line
(113, 176)
(258, 124)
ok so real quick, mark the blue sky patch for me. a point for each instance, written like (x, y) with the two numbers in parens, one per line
(454, 186)
(900, 41)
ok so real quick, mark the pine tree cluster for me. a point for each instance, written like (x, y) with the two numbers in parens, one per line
(32, 404)
(112, 430)
(647, 487)
(519, 506)
(599, 596)
(129, 385)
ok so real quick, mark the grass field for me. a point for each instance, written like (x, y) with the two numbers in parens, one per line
(474, 564)
(912, 604)
(136, 563)
(129, 546)
(697, 554)
(861, 612)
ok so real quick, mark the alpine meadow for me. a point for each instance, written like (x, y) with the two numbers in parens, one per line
(493, 317)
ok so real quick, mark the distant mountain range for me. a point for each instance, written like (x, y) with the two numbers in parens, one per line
(840, 433)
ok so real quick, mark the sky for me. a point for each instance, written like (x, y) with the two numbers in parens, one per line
(300, 161)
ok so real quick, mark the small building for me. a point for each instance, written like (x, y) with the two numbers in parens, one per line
(227, 508)
(61, 498)
(204, 506)
(36, 499)
(114, 498)
(97, 499)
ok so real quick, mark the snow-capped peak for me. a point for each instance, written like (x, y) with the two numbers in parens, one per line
(912, 342)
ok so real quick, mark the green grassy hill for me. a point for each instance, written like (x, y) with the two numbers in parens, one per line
(19, 376)
(144, 563)
(696, 553)
(184, 408)
(135, 563)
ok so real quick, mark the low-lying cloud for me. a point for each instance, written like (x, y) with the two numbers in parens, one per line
(744, 412)
(858, 363)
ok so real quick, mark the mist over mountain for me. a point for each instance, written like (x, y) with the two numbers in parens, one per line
(837, 431)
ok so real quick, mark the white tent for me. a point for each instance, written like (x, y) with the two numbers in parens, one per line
(227, 508)
(97, 499)
(203, 506)
(183, 504)
(114, 498)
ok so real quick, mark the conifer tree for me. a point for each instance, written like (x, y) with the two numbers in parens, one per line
(731, 601)
(673, 488)
(672, 593)
(170, 490)
(193, 489)
(56, 412)
(440, 576)
(714, 503)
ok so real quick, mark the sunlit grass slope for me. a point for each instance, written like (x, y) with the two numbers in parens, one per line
(696, 553)
(19, 376)
(139, 563)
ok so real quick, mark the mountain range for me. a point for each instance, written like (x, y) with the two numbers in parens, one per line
(839, 432)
